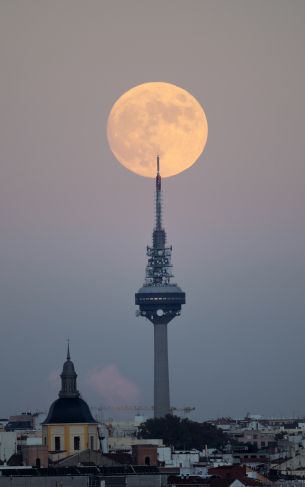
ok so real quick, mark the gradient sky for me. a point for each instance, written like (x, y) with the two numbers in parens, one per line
(75, 223)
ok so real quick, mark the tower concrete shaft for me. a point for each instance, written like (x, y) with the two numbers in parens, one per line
(159, 301)
(161, 374)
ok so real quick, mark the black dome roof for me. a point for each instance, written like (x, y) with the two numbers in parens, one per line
(69, 410)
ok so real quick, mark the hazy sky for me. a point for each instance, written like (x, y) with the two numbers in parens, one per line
(75, 223)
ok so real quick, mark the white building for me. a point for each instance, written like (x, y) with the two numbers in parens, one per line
(8, 444)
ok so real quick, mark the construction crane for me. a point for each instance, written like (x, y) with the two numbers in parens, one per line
(186, 410)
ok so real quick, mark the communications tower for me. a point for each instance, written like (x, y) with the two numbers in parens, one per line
(159, 301)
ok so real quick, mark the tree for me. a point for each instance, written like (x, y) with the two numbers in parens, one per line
(182, 434)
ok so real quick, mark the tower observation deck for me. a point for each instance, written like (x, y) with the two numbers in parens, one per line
(160, 301)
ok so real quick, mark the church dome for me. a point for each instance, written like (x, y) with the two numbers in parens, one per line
(69, 410)
(70, 407)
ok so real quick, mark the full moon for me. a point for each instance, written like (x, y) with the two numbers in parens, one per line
(157, 119)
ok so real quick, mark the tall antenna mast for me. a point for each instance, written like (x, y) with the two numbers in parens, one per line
(158, 198)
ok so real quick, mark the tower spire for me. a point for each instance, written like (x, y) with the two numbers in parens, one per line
(158, 197)
(68, 378)
(158, 270)
(68, 349)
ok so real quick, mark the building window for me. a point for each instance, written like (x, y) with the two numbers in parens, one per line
(76, 442)
(91, 442)
(57, 443)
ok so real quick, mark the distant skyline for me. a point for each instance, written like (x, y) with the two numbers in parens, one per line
(75, 223)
